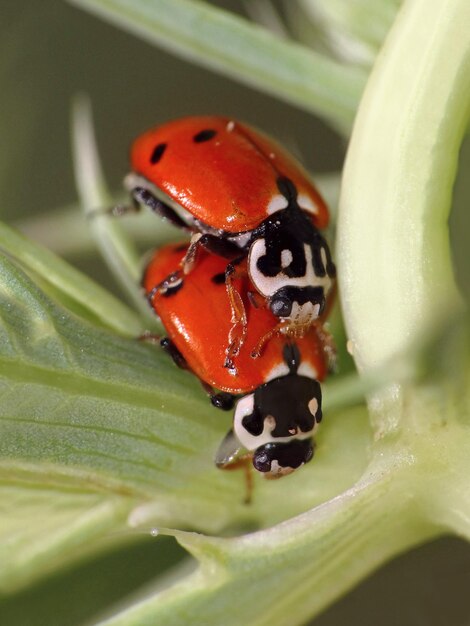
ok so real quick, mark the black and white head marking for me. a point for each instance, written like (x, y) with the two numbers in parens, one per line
(282, 409)
(289, 262)
(280, 459)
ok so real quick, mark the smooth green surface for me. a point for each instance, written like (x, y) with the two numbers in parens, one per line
(104, 577)
(396, 274)
(77, 289)
(227, 43)
(100, 425)
(103, 438)
(308, 560)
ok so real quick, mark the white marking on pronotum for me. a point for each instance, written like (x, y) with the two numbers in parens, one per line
(305, 202)
(313, 406)
(277, 371)
(230, 126)
(268, 285)
(306, 369)
(244, 407)
(277, 203)
(286, 258)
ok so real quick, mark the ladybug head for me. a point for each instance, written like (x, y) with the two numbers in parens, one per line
(281, 412)
(279, 459)
(300, 305)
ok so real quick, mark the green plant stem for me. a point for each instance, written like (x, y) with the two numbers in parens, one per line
(116, 247)
(71, 235)
(229, 44)
(394, 256)
(309, 560)
(75, 286)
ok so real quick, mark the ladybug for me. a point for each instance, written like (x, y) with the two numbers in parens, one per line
(243, 197)
(277, 398)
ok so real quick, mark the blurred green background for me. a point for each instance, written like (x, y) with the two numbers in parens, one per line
(51, 51)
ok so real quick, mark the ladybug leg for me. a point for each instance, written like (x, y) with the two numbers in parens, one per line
(244, 463)
(143, 197)
(211, 243)
(221, 400)
(257, 300)
(237, 334)
(230, 457)
(330, 301)
(174, 281)
(115, 211)
(170, 348)
(189, 259)
(283, 328)
(328, 344)
(257, 351)
(150, 337)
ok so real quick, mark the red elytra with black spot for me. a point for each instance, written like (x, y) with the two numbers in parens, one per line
(222, 172)
(197, 320)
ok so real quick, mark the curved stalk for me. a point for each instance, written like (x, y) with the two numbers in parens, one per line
(393, 248)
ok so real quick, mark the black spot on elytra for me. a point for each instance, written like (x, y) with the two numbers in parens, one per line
(219, 279)
(157, 153)
(204, 135)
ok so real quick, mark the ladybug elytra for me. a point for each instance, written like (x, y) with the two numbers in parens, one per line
(244, 198)
(277, 398)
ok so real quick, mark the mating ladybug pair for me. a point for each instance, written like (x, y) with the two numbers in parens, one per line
(243, 301)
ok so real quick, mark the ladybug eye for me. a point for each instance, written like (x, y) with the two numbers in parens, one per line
(281, 307)
(205, 135)
(278, 459)
(157, 153)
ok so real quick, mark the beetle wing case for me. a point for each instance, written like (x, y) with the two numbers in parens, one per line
(197, 319)
(222, 172)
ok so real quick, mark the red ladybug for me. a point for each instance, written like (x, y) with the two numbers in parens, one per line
(244, 198)
(278, 396)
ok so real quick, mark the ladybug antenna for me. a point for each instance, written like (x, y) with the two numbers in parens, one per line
(291, 356)
(287, 189)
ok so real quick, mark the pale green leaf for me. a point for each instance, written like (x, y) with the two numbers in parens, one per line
(117, 248)
(43, 527)
(109, 414)
(71, 235)
(354, 31)
(81, 291)
(393, 244)
(397, 185)
(285, 574)
(227, 43)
